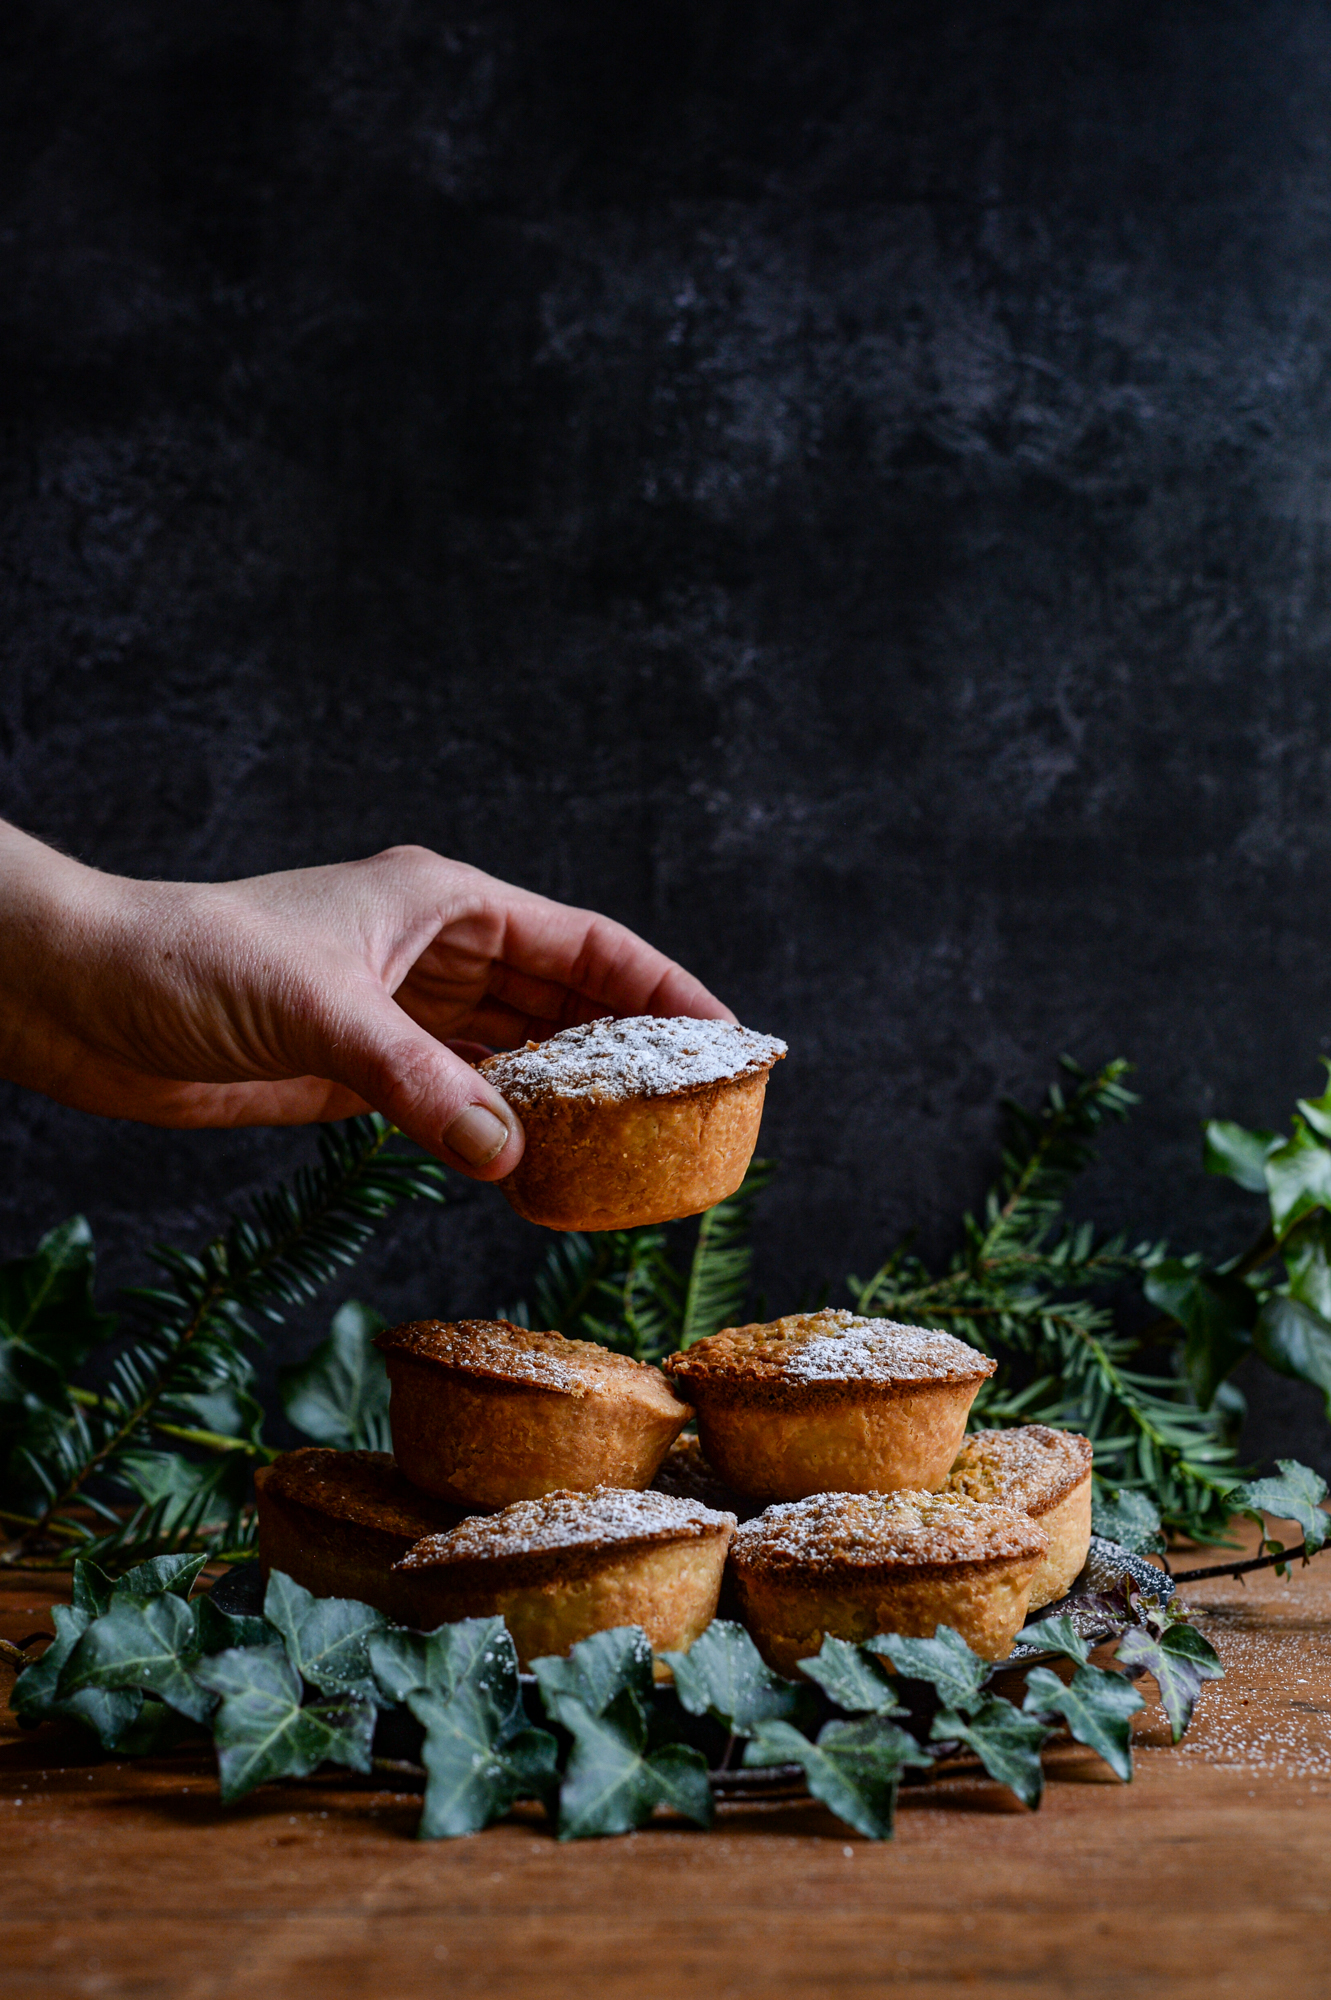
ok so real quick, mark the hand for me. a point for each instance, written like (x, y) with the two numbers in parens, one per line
(308, 995)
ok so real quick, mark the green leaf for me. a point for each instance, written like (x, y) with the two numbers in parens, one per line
(327, 1638)
(46, 1301)
(1238, 1154)
(718, 1280)
(1296, 1341)
(156, 1731)
(160, 1576)
(1180, 1659)
(597, 1671)
(1129, 1518)
(34, 1697)
(477, 1765)
(147, 1644)
(1307, 1254)
(1217, 1313)
(854, 1768)
(1056, 1635)
(1006, 1741)
(723, 1674)
(611, 1784)
(1298, 1178)
(1297, 1495)
(339, 1397)
(852, 1678)
(1317, 1110)
(262, 1732)
(92, 1587)
(946, 1662)
(1097, 1709)
(475, 1652)
(111, 1713)
(220, 1631)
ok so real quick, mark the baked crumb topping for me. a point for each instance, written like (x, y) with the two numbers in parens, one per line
(645, 1056)
(606, 1516)
(830, 1346)
(865, 1531)
(542, 1360)
(1032, 1466)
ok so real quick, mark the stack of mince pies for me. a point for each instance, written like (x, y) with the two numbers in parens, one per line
(830, 1487)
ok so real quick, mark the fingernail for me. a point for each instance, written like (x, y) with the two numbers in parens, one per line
(476, 1135)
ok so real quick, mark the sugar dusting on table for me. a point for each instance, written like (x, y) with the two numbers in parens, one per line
(644, 1056)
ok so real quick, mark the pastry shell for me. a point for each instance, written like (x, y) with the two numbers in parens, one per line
(1047, 1473)
(484, 1412)
(570, 1564)
(635, 1121)
(828, 1402)
(860, 1564)
(337, 1521)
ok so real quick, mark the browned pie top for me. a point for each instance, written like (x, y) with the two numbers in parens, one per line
(364, 1488)
(497, 1351)
(1031, 1467)
(869, 1534)
(533, 1538)
(686, 1473)
(614, 1062)
(826, 1350)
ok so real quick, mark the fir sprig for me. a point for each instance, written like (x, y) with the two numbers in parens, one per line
(185, 1378)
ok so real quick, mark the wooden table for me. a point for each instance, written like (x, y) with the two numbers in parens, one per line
(1209, 1876)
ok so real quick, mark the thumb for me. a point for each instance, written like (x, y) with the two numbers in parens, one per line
(431, 1094)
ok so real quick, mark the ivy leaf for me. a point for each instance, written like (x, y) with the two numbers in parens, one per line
(1295, 1496)
(339, 1397)
(160, 1576)
(475, 1652)
(1180, 1659)
(1296, 1341)
(327, 1638)
(1097, 1709)
(945, 1661)
(723, 1674)
(610, 1784)
(1216, 1312)
(1005, 1739)
(34, 1694)
(1307, 1254)
(477, 1764)
(1239, 1154)
(147, 1644)
(156, 1731)
(1129, 1518)
(597, 1672)
(852, 1678)
(110, 1713)
(219, 1631)
(92, 1587)
(1298, 1178)
(1056, 1635)
(1317, 1110)
(46, 1302)
(262, 1732)
(854, 1767)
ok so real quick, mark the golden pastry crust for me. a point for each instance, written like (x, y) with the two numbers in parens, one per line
(573, 1563)
(829, 1402)
(337, 1521)
(633, 1121)
(484, 1413)
(860, 1564)
(1047, 1473)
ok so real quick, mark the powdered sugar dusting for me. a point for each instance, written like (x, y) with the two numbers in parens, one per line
(874, 1530)
(832, 1346)
(645, 1056)
(567, 1520)
(1030, 1466)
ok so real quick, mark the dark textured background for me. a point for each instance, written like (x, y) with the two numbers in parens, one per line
(843, 488)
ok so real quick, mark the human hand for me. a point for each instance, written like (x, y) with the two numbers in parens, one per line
(312, 994)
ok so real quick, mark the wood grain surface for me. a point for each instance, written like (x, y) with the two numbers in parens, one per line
(1210, 1875)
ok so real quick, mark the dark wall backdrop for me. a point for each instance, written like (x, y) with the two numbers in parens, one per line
(842, 487)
